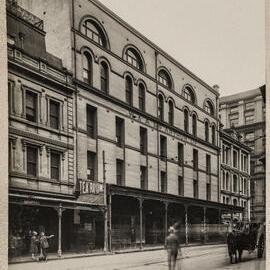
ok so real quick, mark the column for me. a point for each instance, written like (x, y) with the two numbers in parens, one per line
(186, 223)
(60, 211)
(141, 222)
(204, 224)
(110, 222)
(166, 218)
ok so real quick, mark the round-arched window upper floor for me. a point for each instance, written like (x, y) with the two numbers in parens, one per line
(87, 67)
(209, 107)
(164, 78)
(189, 95)
(134, 57)
(91, 28)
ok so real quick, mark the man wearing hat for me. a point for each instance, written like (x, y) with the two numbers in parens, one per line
(172, 246)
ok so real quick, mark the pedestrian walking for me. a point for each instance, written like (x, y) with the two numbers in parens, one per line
(172, 246)
(34, 243)
(44, 245)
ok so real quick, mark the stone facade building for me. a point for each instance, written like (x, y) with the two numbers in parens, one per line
(235, 172)
(246, 113)
(133, 132)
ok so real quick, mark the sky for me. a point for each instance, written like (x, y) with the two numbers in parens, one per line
(221, 41)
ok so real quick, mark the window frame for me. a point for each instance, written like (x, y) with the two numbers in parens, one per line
(35, 148)
(53, 166)
(35, 96)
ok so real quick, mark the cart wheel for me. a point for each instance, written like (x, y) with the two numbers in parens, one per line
(260, 247)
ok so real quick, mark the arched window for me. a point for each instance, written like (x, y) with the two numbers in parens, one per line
(213, 134)
(91, 29)
(164, 78)
(227, 200)
(189, 94)
(129, 90)
(234, 202)
(141, 97)
(160, 107)
(206, 130)
(235, 184)
(134, 58)
(194, 124)
(208, 107)
(87, 67)
(104, 77)
(186, 120)
(223, 180)
(171, 113)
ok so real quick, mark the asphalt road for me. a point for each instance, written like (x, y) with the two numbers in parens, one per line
(193, 258)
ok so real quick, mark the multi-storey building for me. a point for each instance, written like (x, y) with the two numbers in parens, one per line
(235, 172)
(143, 124)
(246, 113)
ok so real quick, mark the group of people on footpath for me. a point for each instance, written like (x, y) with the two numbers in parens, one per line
(39, 245)
(172, 245)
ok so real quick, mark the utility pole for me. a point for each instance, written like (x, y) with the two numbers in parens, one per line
(105, 205)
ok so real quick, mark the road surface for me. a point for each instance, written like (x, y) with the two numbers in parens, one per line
(194, 258)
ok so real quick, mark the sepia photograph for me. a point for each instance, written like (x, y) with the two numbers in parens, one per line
(135, 134)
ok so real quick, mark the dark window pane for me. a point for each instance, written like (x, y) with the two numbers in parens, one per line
(163, 147)
(143, 140)
(91, 166)
(141, 97)
(31, 106)
(120, 172)
(129, 94)
(91, 120)
(163, 182)
(55, 165)
(54, 114)
(119, 130)
(104, 77)
(31, 161)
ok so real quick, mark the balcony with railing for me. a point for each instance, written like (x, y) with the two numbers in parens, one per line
(18, 11)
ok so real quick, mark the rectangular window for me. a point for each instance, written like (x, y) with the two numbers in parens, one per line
(235, 159)
(249, 119)
(91, 121)
(180, 154)
(163, 182)
(208, 191)
(120, 172)
(163, 147)
(10, 96)
(119, 130)
(91, 166)
(31, 106)
(195, 160)
(31, 161)
(208, 164)
(55, 165)
(143, 175)
(195, 188)
(180, 185)
(143, 140)
(54, 114)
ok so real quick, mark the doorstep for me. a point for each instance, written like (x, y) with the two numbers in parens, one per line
(54, 256)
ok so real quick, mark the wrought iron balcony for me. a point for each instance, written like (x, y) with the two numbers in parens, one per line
(18, 11)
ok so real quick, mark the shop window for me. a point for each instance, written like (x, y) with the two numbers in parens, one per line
(120, 181)
(143, 140)
(91, 166)
(54, 114)
(180, 185)
(163, 182)
(55, 165)
(31, 160)
(180, 154)
(91, 121)
(171, 113)
(104, 77)
(163, 147)
(143, 177)
(141, 97)
(160, 107)
(31, 106)
(129, 91)
(120, 131)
